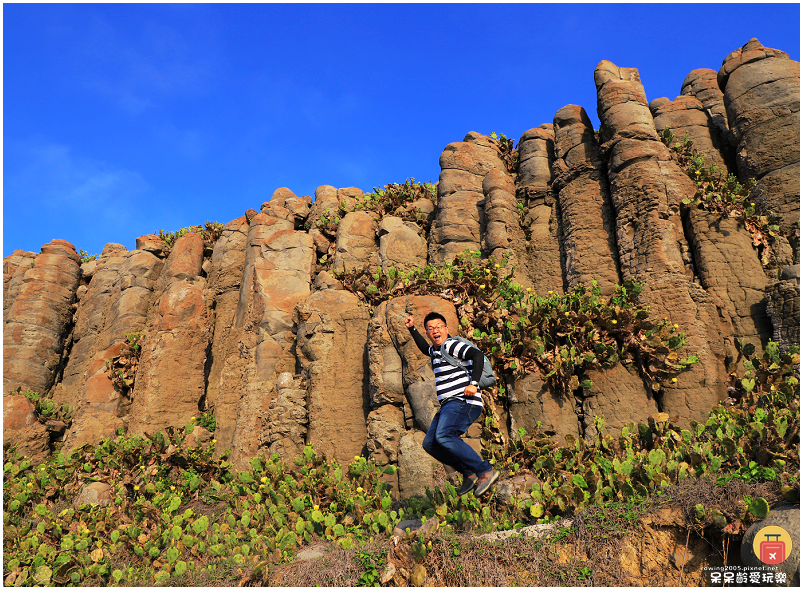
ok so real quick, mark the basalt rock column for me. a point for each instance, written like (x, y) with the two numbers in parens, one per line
(702, 84)
(587, 213)
(460, 204)
(731, 272)
(116, 302)
(170, 380)
(332, 349)
(276, 277)
(14, 268)
(762, 99)
(224, 282)
(687, 119)
(36, 323)
(536, 156)
(647, 188)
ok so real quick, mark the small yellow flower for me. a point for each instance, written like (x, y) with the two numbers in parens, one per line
(30, 485)
(674, 379)
(172, 488)
(192, 418)
(528, 289)
(497, 266)
(359, 489)
(264, 480)
(136, 488)
(549, 292)
(316, 506)
(613, 321)
(483, 286)
(676, 326)
(85, 531)
(752, 204)
(214, 441)
(772, 388)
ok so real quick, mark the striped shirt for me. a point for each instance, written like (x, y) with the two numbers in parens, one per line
(450, 380)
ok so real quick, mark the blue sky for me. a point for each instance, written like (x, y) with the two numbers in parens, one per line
(123, 119)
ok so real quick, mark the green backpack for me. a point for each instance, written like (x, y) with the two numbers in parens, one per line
(487, 375)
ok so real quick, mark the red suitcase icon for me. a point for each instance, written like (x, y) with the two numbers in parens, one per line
(773, 552)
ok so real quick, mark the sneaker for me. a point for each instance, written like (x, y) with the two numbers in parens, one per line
(468, 483)
(486, 480)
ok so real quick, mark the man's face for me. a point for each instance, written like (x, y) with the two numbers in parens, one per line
(437, 331)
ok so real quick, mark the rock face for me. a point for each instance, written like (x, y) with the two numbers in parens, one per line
(543, 218)
(585, 201)
(260, 331)
(460, 204)
(687, 118)
(36, 321)
(762, 99)
(647, 188)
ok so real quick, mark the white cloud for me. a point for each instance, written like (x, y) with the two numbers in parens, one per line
(51, 175)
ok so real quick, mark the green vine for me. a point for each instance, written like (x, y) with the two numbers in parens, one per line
(210, 232)
(725, 196)
(561, 336)
(121, 369)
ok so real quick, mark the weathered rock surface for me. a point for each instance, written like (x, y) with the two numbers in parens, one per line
(459, 211)
(532, 400)
(543, 218)
(687, 118)
(762, 100)
(356, 244)
(332, 348)
(783, 308)
(415, 466)
(730, 271)
(22, 428)
(647, 188)
(587, 214)
(702, 84)
(37, 321)
(170, 380)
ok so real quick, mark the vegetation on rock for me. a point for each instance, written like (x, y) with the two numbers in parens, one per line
(210, 232)
(176, 513)
(561, 336)
(725, 196)
(121, 369)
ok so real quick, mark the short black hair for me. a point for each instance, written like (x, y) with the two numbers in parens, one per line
(433, 316)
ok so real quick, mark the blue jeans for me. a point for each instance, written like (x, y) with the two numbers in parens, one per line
(443, 439)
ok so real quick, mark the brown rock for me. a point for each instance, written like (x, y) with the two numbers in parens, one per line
(647, 188)
(687, 118)
(356, 244)
(702, 84)
(116, 302)
(587, 213)
(401, 244)
(331, 346)
(543, 260)
(150, 243)
(532, 400)
(762, 99)
(14, 268)
(97, 492)
(619, 396)
(415, 466)
(385, 426)
(783, 307)
(35, 324)
(729, 269)
(22, 428)
(459, 206)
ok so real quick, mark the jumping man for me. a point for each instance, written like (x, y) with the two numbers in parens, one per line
(461, 404)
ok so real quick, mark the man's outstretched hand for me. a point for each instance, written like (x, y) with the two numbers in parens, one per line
(410, 321)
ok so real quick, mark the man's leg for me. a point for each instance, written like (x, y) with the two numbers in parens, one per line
(431, 445)
(455, 418)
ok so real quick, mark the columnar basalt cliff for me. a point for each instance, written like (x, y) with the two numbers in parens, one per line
(258, 327)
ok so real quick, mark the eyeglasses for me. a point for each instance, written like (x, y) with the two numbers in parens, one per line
(435, 328)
